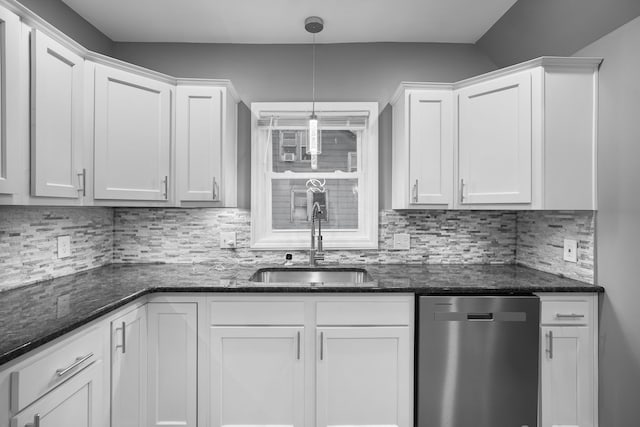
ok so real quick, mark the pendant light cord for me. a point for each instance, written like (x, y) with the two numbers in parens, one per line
(313, 84)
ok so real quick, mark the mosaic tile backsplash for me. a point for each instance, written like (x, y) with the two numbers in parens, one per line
(28, 244)
(192, 235)
(100, 236)
(540, 242)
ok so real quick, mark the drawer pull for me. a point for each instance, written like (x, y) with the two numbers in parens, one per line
(36, 421)
(321, 345)
(550, 344)
(298, 345)
(569, 316)
(79, 360)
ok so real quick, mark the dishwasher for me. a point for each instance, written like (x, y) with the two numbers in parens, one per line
(477, 361)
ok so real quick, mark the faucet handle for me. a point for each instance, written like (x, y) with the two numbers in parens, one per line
(319, 256)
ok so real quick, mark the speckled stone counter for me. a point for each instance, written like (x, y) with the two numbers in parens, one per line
(28, 315)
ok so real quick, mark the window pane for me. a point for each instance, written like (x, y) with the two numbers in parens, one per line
(292, 203)
(338, 150)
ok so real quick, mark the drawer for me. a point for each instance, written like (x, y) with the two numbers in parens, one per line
(566, 312)
(383, 313)
(55, 366)
(257, 313)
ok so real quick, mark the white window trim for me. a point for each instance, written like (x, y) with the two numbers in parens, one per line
(262, 234)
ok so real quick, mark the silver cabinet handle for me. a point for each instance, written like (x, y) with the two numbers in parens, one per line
(78, 362)
(415, 192)
(569, 316)
(36, 421)
(166, 188)
(123, 345)
(298, 345)
(82, 177)
(321, 345)
(215, 191)
(461, 190)
(550, 344)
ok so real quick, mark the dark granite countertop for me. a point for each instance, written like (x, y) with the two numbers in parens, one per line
(28, 314)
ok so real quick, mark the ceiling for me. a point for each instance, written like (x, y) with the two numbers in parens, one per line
(282, 21)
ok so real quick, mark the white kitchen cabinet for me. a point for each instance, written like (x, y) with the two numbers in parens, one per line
(129, 369)
(10, 101)
(568, 366)
(57, 91)
(423, 147)
(206, 144)
(76, 403)
(132, 136)
(257, 376)
(494, 140)
(363, 377)
(172, 364)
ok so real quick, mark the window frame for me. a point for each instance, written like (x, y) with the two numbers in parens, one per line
(263, 236)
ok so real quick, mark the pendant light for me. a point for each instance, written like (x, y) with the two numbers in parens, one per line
(313, 25)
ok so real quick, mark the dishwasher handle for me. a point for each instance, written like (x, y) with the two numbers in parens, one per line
(486, 317)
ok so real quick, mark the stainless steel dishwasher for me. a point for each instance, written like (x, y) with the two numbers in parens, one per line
(477, 361)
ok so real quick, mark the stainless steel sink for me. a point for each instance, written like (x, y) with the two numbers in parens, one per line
(314, 276)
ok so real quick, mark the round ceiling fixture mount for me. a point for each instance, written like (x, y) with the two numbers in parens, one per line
(314, 24)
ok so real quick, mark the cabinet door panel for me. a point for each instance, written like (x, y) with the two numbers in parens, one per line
(132, 136)
(74, 404)
(9, 96)
(129, 370)
(567, 377)
(257, 376)
(495, 141)
(431, 147)
(364, 376)
(172, 348)
(199, 142)
(56, 118)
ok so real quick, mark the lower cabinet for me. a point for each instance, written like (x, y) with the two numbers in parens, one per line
(128, 369)
(76, 403)
(363, 377)
(257, 376)
(568, 364)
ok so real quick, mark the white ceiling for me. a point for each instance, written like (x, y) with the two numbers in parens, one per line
(282, 21)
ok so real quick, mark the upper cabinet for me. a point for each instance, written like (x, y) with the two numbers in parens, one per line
(9, 101)
(523, 138)
(423, 141)
(57, 92)
(132, 136)
(494, 141)
(206, 147)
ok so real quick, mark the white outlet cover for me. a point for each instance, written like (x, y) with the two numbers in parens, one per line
(227, 240)
(64, 246)
(570, 250)
(401, 241)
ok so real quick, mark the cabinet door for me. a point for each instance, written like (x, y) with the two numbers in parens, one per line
(567, 377)
(431, 147)
(172, 372)
(57, 92)
(364, 376)
(129, 369)
(199, 143)
(9, 100)
(132, 136)
(76, 403)
(257, 376)
(494, 141)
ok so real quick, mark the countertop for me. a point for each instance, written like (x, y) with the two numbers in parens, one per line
(28, 314)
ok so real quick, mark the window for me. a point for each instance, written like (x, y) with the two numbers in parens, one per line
(286, 178)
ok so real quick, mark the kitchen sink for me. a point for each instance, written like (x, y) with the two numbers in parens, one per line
(314, 276)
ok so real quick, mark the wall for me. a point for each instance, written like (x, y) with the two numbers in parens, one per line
(344, 72)
(533, 28)
(28, 248)
(69, 22)
(618, 224)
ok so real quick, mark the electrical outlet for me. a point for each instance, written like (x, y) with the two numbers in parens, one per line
(64, 246)
(401, 241)
(570, 250)
(227, 240)
(63, 306)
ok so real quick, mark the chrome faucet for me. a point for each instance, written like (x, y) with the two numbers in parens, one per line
(316, 254)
